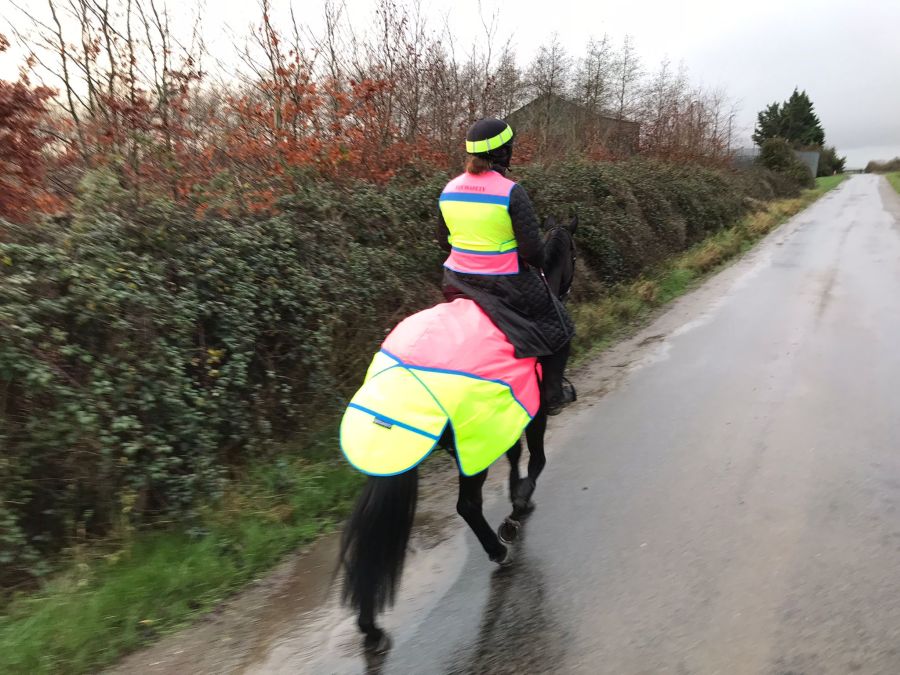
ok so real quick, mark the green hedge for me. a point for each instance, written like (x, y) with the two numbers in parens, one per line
(144, 352)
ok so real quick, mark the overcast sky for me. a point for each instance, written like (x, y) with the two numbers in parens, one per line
(845, 53)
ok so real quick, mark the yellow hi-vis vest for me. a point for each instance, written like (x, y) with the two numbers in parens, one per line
(475, 208)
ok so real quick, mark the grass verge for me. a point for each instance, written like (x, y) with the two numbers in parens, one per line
(105, 605)
(599, 323)
(894, 179)
(108, 603)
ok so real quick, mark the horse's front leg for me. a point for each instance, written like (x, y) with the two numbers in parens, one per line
(534, 434)
(523, 488)
(514, 454)
(509, 528)
(469, 507)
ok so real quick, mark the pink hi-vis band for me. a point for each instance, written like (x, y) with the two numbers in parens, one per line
(469, 262)
(487, 183)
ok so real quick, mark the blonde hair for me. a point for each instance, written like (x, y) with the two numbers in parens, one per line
(476, 164)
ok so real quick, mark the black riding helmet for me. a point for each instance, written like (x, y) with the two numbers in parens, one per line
(492, 139)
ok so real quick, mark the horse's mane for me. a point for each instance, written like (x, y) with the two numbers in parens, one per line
(558, 240)
(558, 250)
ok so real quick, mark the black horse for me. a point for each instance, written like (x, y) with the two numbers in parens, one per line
(374, 542)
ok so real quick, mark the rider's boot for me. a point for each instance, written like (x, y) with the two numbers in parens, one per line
(556, 391)
(556, 402)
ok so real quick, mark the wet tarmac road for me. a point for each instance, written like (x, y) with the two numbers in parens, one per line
(726, 503)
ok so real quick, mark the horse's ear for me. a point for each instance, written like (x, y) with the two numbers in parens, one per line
(573, 224)
(549, 223)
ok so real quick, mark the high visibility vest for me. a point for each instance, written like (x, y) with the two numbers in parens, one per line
(448, 365)
(476, 210)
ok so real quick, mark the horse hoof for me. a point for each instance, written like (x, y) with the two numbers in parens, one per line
(508, 531)
(377, 645)
(505, 559)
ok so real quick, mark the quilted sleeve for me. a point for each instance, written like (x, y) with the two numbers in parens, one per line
(442, 232)
(526, 227)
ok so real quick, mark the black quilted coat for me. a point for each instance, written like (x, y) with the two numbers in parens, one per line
(521, 305)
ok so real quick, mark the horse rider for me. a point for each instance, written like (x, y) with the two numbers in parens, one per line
(496, 253)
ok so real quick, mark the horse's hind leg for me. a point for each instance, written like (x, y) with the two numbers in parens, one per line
(376, 640)
(469, 507)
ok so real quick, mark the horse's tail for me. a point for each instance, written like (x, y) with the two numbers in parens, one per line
(373, 546)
